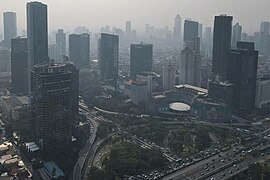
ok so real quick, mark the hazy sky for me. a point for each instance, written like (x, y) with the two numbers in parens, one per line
(95, 13)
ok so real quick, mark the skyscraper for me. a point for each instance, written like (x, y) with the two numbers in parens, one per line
(10, 27)
(242, 72)
(168, 77)
(51, 106)
(221, 45)
(190, 30)
(189, 67)
(19, 74)
(264, 38)
(177, 30)
(79, 50)
(236, 35)
(60, 44)
(208, 41)
(141, 59)
(200, 31)
(37, 33)
(128, 26)
(37, 36)
(108, 57)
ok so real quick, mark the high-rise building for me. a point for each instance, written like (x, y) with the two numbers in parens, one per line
(51, 106)
(4, 59)
(236, 35)
(168, 77)
(257, 40)
(52, 52)
(128, 27)
(200, 31)
(208, 42)
(190, 30)
(19, 74)
(108, 57)
(141, 59)
(37, 33)
(264, 38)
(10, 27)
(242, 72)
(262, 93)
(37, 36)
(221, 45)
(60, 44)
(79, 50)
(189, 67)
(177, 30)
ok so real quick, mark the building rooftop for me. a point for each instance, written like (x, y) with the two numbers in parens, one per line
(50, 167)
(14, 101)
(178, 106)
(187, 86)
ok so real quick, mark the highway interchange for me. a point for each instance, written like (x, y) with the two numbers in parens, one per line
(212, 166)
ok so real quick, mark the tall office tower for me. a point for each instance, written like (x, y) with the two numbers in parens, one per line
(236, 35)
(177, 30)
(75, 90)
(10, 27)
(4, 59)
(51, 106)
(108, 57)
(141, 59)
(168, 77)
(52, 51)
(208, 42)
(257, 40)
(79, 50)
(60, 44)
(221, 45)
(242, 72)
(200, 31)
(37, 33)
(189, 67)
(19, 74)
(264, 38)
(190, 30)
(128, 26)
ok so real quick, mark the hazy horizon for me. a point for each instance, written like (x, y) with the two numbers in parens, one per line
(96, 13)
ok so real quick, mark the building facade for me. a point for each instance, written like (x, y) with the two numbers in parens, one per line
(141, 59)
(79, 50)
(10, 27)
(51, 106)
(19, 74)
(221, 45)
(108, 57)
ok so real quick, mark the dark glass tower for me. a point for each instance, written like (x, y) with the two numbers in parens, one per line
(221, 45)
(242, 72)
(37, 36)
(141, 59)
(19, 74)
(79, 50)
(10, 27)
(190, 30)
(51, 106)
(37, 33)
(108, 57)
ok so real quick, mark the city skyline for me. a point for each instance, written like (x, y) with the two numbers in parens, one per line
(91, 14)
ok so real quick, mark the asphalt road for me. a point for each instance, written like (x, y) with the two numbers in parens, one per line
(83, 155)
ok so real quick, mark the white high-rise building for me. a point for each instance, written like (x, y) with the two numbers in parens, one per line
(189, 67)
(168, 77)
